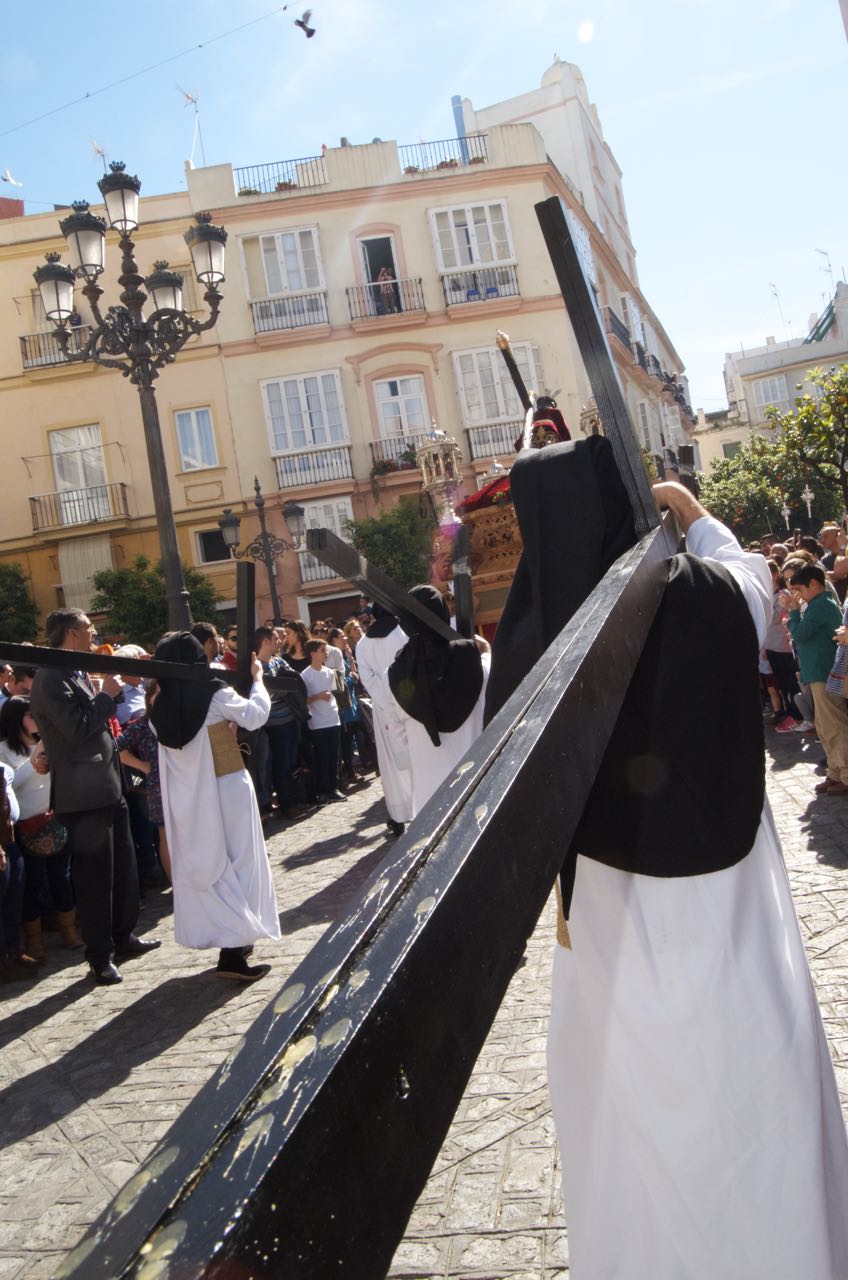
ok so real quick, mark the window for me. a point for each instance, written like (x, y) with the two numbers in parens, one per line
(402, 406)
(731, 448)
(471, 235)
(643, 423)
(771, 391)
(332, 514)
(305, 411)
(631, 317)
(211, 546)
(79, 471)
(291, 261)
(485, 387)
(196, 439)
(582, 244)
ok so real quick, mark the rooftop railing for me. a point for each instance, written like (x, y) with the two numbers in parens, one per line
(448, 153)
(281, 175)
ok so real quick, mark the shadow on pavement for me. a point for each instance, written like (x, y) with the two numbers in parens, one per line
(330, 902)
(107, 1057)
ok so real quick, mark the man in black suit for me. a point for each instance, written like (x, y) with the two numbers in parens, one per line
(88, 797)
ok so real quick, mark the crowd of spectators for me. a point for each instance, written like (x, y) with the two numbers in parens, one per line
(317, 744)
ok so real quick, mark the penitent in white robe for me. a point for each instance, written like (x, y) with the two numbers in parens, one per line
(431, 764)
(373, 659)
(693, 1092)
(223, 890)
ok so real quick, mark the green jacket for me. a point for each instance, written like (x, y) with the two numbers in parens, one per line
(813, 636)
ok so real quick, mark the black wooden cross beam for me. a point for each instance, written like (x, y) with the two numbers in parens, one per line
(304, 1154)
(378, 586)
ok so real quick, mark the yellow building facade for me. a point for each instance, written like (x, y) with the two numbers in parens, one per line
(364, 291)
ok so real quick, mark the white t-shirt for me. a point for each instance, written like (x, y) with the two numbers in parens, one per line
(324, 714)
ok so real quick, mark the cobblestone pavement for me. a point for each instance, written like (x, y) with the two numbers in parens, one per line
(90, 1078)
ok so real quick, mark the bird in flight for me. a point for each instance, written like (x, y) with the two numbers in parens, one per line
(303, 23)
(7, 177)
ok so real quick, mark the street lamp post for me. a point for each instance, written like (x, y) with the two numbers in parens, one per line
(124, 338)
(265, 546)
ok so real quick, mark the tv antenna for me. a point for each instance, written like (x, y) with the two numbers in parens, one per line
(828, 269)
(776, 297)
(191, 100)
(99, 151)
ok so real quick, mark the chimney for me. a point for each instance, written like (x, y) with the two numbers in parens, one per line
(11, 208)
(770, 341)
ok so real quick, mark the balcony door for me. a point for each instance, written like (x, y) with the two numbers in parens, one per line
(379, 270)
(79, 473)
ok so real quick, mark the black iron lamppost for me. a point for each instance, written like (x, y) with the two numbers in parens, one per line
(265, 546)
(124, 338)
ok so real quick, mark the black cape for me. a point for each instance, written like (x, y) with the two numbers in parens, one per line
(437, 682)
(681, 786)
(180, 709)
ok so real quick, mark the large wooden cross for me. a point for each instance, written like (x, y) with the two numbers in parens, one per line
(304, 1154)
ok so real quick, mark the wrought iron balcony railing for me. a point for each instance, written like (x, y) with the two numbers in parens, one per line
(388, 297)
(315, 466)
(654, 366)
(617, 328)
(281, 175)
(290, 311)
(448, 153)
(395, 453)
(312, 570)
(41, 349)
(480, 284)
(78, 506)
(494, 440)
(640, 356)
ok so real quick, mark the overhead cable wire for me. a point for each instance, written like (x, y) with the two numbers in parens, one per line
(4, 133)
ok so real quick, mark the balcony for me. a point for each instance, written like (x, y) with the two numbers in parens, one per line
(617, 328)
(280, 176)
(396, 453)
(38, 350)
(312, 570)
(640, 356)
(494, 440)
(78, 506)
(480, 284)
(653, 366)
(315, 466)
(449, 153)
(292, 311)
(389, 297)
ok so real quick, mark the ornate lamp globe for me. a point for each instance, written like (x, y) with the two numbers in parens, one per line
(208, 249)
(120, 192)
(86, 237)
(229, 524)
(55, 283)
(295, 518)
(165, 288)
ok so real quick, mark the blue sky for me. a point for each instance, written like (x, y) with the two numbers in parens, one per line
(728, 120)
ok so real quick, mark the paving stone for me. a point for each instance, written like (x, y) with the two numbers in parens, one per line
(90, 1078)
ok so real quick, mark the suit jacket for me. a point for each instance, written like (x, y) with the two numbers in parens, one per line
(74, 726)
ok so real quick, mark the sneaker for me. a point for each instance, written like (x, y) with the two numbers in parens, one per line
(788, 725)
(802, 726)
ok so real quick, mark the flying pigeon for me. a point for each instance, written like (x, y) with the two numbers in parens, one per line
(7, 177)
(303, 23)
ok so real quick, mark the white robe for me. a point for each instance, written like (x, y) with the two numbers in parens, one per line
(223, 890)
(431, 764)
(692, 1088)
(373, 659)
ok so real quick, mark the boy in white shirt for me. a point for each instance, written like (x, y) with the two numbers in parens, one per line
(324, 723)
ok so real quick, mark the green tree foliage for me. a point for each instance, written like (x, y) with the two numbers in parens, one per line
(18, 614)
(747, 492)
(816, 431)
(135, 603)
(397, 541)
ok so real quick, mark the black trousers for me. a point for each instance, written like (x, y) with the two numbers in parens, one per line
(105, 877)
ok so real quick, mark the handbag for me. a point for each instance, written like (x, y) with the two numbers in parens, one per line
(42, 835)
(341, 692)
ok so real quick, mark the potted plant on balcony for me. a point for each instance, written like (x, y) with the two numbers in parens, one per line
(448, 164)
(286, 185)
(383, 466)
(407, 458)
(249, 191)
(476, 159)
(412, 168)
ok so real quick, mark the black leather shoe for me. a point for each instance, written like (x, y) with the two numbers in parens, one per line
(136, 947)
(104, 973)
(396, 828)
